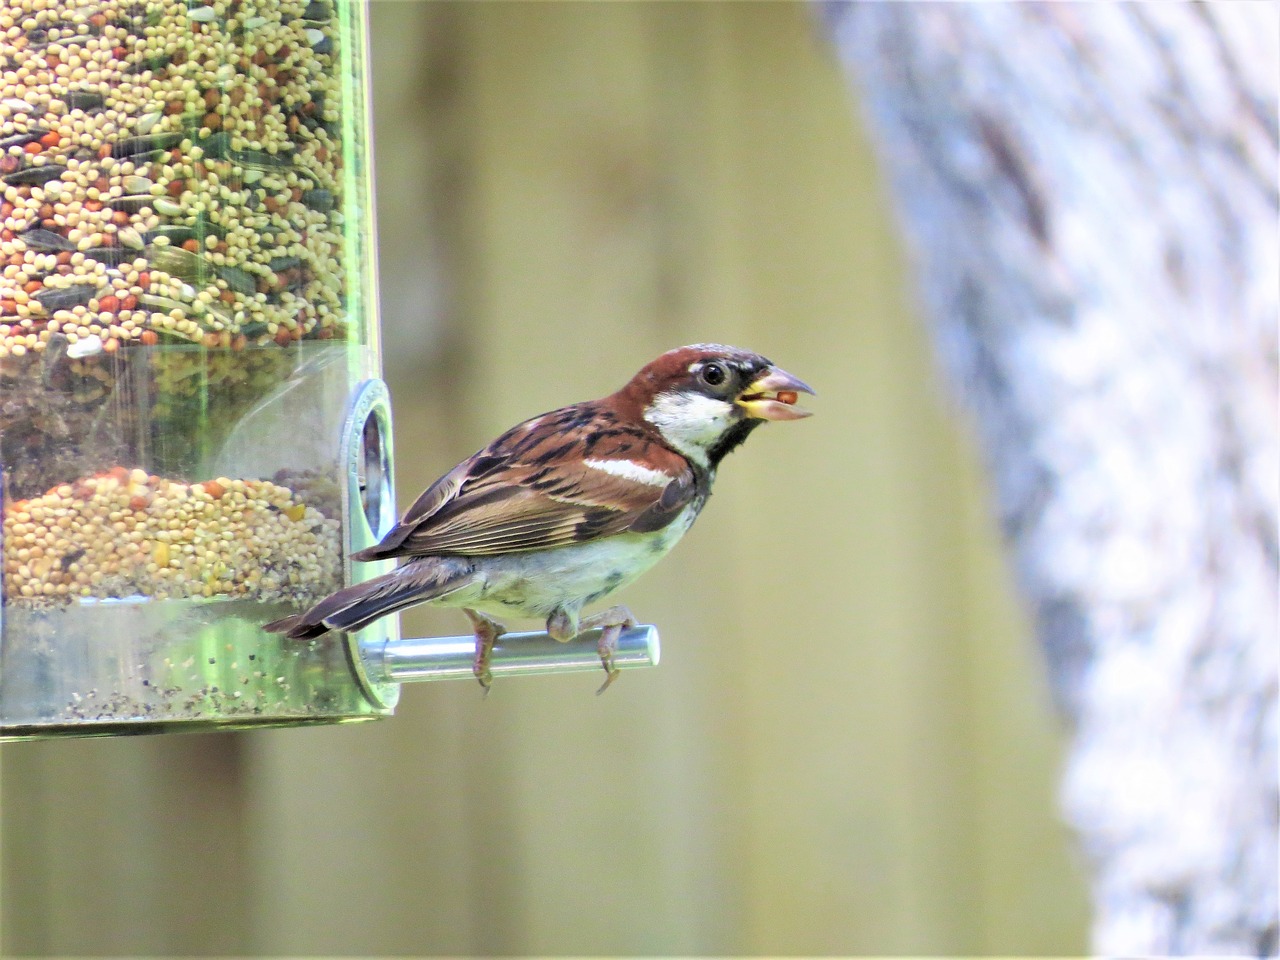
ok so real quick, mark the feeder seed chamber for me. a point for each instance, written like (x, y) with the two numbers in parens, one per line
(193, 433)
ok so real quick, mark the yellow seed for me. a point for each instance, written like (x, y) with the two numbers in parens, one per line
(295, 512)
(160, 554)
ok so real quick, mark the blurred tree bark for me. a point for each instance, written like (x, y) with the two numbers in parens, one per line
(1090, 191)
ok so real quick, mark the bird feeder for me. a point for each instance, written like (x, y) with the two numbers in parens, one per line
(193, 433)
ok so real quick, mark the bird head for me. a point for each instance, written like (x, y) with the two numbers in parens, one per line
(706, 398)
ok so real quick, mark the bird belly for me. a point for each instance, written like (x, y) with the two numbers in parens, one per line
(537, 583)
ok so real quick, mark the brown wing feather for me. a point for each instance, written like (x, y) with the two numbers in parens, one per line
(515, 494)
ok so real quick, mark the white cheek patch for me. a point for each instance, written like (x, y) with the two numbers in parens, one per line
(690, 422)
(630, 470)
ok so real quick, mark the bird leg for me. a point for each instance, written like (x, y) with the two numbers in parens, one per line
(612, 622)
(487, 633)
(564, 625)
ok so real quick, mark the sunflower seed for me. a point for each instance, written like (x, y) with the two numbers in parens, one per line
(35, 176)
(64, 298)
(86, 100)
(319, 200)
(238, 280)
(47, 241)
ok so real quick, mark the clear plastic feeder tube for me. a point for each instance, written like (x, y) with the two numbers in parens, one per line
(187, 317)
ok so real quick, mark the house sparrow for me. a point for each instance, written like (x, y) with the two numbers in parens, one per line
(563, 509)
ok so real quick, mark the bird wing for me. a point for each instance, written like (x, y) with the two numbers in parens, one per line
(570, 476)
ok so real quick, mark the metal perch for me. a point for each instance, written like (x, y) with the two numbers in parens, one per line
(515, 654)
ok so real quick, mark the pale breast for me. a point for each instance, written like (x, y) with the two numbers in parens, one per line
(535, 584)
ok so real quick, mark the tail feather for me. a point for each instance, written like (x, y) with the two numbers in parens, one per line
(357, 606)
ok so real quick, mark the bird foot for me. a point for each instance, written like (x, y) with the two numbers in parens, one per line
(607, 646)
(612, 622)
(487, 633)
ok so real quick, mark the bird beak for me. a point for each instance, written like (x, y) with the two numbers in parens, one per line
(773, 396)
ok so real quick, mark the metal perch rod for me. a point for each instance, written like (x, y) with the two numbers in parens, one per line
(515, 654)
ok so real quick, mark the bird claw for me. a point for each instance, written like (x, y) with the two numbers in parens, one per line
(612, 675)
(612, 621)
(487, 633)
(607, 646)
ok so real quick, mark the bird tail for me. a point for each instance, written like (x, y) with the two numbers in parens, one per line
(357, 606)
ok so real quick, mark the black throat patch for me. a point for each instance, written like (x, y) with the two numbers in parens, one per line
(730, 442)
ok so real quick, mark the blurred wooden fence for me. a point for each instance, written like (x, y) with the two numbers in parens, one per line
(847, 748)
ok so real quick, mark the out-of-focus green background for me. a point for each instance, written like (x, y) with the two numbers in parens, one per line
(848, 747)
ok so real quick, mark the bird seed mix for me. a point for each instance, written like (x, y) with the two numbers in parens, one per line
(170, 228)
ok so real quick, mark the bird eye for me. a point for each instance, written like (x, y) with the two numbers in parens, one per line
(714, 374)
